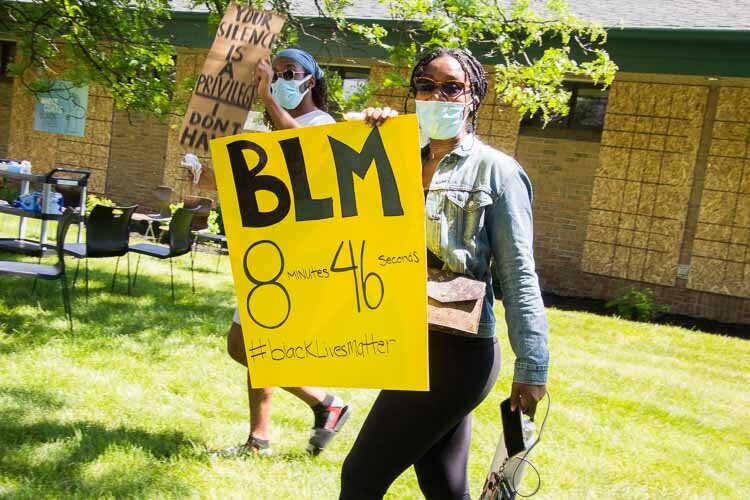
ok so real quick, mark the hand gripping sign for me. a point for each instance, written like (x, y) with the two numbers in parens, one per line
(325, 227)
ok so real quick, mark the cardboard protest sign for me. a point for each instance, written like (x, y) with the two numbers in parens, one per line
(325, 227)
(226, 86)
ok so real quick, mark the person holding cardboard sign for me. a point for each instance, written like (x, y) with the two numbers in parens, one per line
(477, 208)
(293, 90)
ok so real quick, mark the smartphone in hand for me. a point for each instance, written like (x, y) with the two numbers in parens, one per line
(512, 428)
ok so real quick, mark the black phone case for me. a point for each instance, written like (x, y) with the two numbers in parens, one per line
(512, 428)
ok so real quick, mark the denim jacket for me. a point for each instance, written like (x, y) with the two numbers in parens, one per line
(478, 208)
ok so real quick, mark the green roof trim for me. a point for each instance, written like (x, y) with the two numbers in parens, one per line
(709, 52)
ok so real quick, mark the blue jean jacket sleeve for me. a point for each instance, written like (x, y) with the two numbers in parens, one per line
(511, 233)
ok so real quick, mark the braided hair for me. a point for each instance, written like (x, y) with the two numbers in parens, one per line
(471, 66)
(320, 94)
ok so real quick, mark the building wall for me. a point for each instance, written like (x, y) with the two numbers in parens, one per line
(46, 151)
(662, 201)
(189, 64)
(137, 159)
(562, 174)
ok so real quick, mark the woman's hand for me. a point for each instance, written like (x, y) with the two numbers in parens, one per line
(375, 117)
(264, 75)
(526, 396)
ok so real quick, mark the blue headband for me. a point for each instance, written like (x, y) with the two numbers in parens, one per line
(303, 59)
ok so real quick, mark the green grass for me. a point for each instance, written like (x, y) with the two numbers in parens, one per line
(128, 404)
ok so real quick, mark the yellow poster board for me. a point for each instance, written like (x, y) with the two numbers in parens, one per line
(325, 227)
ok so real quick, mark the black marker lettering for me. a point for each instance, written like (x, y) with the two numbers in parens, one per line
(305, 206)
(350, 162)
(249, 182)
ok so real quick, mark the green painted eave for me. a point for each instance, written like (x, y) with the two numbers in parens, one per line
(682, 51)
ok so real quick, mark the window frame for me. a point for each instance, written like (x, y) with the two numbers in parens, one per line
(7, 55)
(566, 127)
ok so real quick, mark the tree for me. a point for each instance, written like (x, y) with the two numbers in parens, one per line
(112, 43)
(120, 45)
(536, 50)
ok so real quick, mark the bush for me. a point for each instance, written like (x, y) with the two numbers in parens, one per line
(9, 192)
(93, 200)
(215, 222)
(637, 305)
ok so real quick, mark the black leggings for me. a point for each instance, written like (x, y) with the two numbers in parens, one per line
(430, 430)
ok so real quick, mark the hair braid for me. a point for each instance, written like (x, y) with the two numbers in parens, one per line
(471, 66)
(320, 94)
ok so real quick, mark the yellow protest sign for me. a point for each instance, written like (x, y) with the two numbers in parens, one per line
(325, 227)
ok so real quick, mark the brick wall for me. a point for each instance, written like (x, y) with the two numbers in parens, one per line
(46, 150)
(666, 190)
(137, 159)
(189, 64)
(6, 103)
(562, 175)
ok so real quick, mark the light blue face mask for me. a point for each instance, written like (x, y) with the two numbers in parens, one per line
(287, 93)
(440, 119)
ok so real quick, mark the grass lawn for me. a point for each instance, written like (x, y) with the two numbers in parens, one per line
(128, 404)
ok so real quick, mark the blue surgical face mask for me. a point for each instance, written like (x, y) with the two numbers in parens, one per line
(287, 93)
(440, 119)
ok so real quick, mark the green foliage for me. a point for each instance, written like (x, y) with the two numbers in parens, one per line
(93, 200)
(121, 46)
(216, 222)
(174, 206)
(538, 47)
(9, 192)
(638, 305)
(356, 101)
(111, 43)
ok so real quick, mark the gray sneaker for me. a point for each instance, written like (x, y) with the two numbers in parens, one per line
(253, 447)
(328, 422)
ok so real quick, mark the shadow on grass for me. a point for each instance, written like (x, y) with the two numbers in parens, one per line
(30, 319)
(57, 459)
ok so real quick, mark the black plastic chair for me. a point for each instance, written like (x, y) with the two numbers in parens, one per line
(163, 197)
(202, 208)
(47, 272)
(180, 243)
(107, 234)
(218, 239)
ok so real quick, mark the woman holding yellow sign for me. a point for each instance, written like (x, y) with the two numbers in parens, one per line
(477, 208)
(293, 91)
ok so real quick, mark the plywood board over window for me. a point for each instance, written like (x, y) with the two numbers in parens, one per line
(720, 262)
(642, 185)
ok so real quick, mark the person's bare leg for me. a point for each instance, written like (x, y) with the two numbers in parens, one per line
(259, 399)
(329, 411)
(310, 395)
